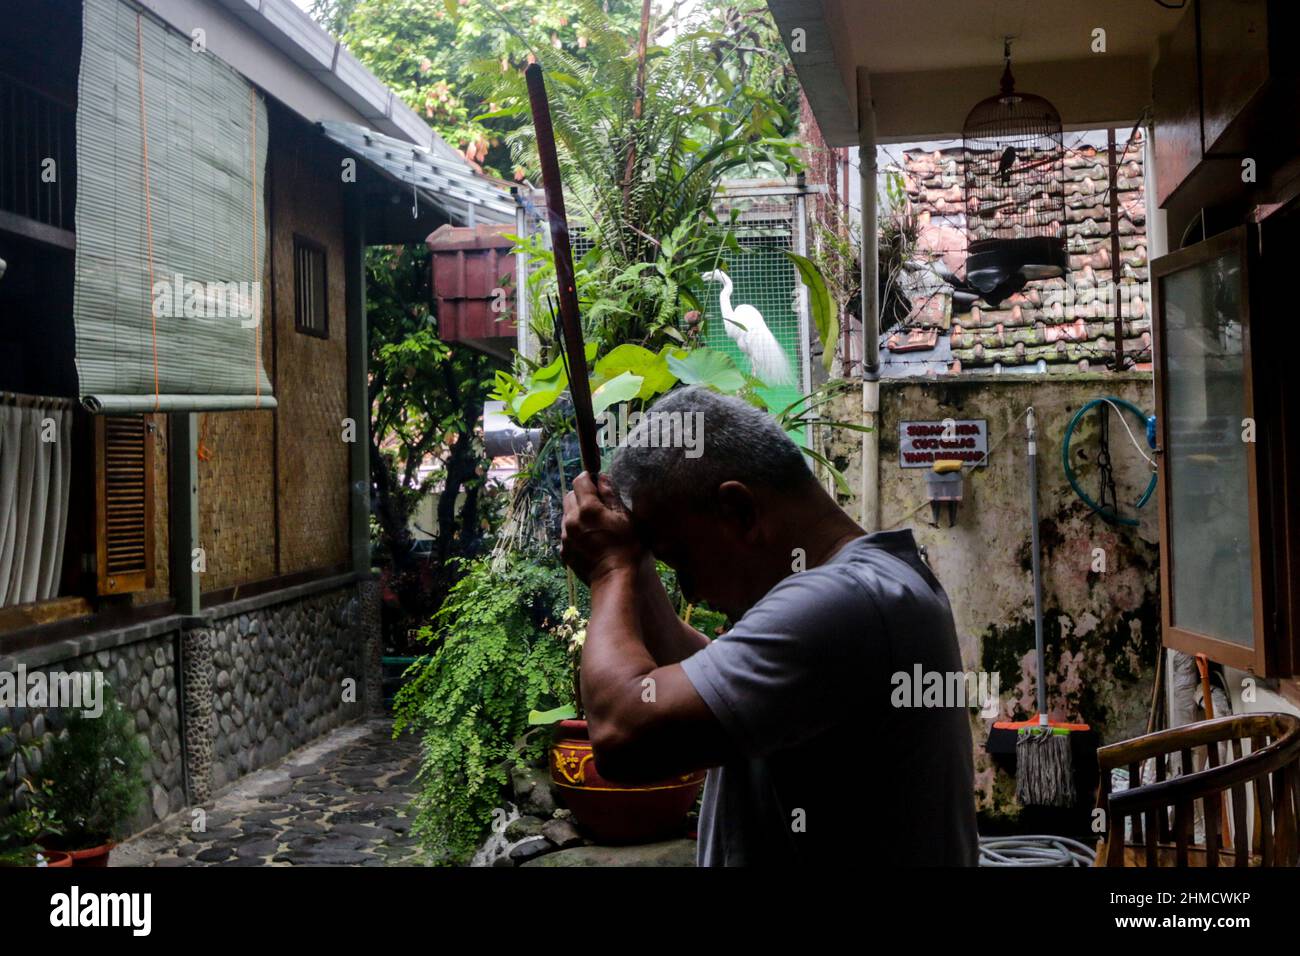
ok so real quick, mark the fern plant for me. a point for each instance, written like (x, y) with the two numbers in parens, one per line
(469, 701)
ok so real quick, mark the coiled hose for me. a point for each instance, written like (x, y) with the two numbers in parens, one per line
(1034, 850)
(1148, 422)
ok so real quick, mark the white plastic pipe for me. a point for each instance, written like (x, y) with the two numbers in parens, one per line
(869, 495)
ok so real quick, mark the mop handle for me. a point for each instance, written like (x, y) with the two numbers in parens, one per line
(1032, 427)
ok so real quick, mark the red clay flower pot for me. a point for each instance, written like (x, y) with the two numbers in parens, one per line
(91, 856)
(57, 858)
(614, 813)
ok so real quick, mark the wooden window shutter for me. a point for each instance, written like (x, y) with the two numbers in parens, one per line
(124, 531)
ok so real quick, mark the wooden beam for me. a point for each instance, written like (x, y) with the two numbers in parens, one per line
(36, 231)
(354, 303)
(183, 509)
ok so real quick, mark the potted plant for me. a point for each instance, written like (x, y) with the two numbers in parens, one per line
(28, 819)
(609, 812)
(93, 783)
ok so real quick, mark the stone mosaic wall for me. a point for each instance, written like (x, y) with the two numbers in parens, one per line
(278, 680)
(258, 683)
(143, 676)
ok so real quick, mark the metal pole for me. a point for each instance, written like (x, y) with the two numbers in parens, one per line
(870, 227)
(358, 363)
(183, 509)
(870, 298)
(1115, 263)
(1037, 568)
(801, 248)
(521, 276)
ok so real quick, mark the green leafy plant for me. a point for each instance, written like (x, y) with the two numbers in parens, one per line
(571, 633)
(805, 412)
(28, 819)
(825, 318)
(470, 700)
(425, 398)
(93, 777)
(837, 257)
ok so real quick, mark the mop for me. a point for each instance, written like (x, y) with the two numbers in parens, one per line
(1044, 765)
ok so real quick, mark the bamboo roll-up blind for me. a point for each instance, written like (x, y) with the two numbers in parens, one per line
(171, 234)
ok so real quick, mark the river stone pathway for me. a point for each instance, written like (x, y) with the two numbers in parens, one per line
(340, 801)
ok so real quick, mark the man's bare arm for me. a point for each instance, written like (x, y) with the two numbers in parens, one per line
(667, 637)
(646, 721)
(645, 718)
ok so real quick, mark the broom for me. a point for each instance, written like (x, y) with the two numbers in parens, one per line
(1044, 764)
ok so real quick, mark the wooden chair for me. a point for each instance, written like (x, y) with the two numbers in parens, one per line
(1269, 772)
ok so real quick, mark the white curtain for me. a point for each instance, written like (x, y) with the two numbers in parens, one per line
(35, 469)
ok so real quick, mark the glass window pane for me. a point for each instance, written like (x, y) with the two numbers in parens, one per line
(1208, 480)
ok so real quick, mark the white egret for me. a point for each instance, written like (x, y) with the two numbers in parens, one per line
(745, 326)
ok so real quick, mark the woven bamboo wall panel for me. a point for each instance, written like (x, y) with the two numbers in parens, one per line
(237, 485)
(236, 498)
(311, 372)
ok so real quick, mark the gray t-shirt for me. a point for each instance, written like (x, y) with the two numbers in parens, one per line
(802, 685)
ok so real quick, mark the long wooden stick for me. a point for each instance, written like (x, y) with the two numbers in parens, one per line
(570, 321)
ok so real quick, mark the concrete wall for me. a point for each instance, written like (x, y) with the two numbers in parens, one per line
(1101, 628)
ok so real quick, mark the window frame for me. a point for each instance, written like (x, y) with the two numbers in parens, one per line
(301, 242)
(1256, 657)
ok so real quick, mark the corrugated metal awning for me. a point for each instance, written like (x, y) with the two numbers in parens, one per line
(442, 178)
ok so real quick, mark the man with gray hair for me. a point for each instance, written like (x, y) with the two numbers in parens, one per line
(790, 709)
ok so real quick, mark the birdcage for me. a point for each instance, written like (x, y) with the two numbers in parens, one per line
(1014, 158)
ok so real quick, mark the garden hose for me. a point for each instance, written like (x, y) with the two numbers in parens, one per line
(1148, 422)
(1035, 850)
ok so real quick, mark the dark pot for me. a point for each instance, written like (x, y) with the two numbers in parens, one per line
(616, 813)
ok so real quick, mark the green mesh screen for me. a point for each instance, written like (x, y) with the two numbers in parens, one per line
(765, 278)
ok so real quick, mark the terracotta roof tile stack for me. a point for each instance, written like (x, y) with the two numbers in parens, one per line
(1059, 325)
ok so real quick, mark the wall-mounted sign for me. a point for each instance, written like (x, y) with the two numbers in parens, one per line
(921, 444)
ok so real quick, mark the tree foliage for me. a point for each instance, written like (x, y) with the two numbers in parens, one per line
(423, 50)
(642, 183)
(425, 397)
